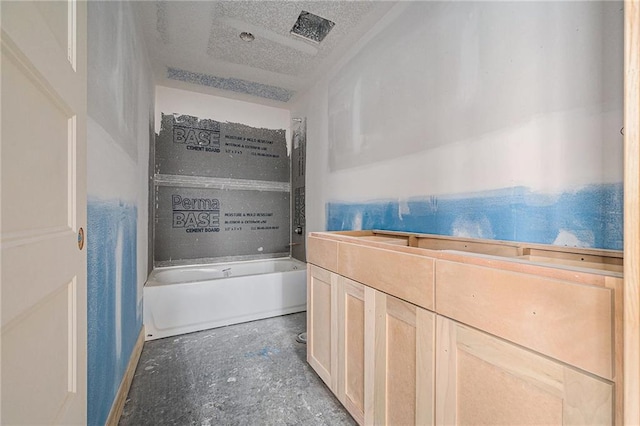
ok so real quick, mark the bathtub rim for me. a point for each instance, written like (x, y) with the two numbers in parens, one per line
(221, 259)
(150, 282)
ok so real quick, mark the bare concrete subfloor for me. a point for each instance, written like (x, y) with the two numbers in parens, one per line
(246, 374)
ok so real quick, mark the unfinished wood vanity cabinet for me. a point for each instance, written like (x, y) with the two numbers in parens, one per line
(413, 329)
(379, 346)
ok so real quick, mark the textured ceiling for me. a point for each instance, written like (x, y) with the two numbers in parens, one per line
(196, 45)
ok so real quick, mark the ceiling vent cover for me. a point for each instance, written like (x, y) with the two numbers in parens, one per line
(312, 27)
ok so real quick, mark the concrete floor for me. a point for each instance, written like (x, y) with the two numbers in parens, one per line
(246, 374)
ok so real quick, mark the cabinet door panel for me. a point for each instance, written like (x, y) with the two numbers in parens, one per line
(481, 379)
(321, 324)
(351, 355)
(403, 379)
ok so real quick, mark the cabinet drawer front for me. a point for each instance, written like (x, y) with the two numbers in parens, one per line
(406, 276)
(567, 321)
(323, 253)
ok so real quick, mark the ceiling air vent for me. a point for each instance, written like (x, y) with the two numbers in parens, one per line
(312, 27)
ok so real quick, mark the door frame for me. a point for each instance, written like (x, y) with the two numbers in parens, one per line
(631, 322)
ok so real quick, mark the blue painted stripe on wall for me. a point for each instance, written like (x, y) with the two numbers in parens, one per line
(111, 257)
(588, 217)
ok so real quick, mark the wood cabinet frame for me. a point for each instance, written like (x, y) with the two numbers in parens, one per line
(631, 322)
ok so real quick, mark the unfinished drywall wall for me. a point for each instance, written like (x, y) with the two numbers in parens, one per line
(120, 116)
(496, 106)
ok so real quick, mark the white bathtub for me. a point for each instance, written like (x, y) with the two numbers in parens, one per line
(183, 299)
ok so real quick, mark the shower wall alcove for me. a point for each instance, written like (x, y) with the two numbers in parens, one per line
(221, 207)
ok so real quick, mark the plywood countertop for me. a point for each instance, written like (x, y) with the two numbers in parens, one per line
(587, 266)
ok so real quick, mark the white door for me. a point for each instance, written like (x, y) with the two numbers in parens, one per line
(43, 268)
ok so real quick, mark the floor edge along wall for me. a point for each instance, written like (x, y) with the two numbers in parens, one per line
(125, 385)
